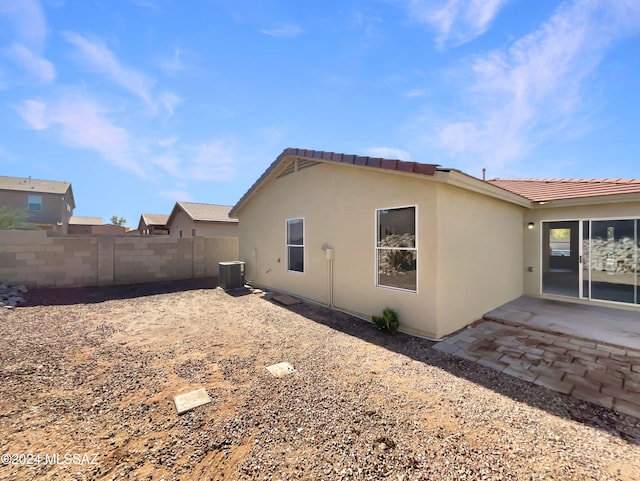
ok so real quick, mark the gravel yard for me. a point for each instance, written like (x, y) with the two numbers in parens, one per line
(93, 372)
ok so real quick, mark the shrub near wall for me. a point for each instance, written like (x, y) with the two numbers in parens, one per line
(40, 260)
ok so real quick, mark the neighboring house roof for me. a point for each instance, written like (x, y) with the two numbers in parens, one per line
(203, 212)
(154, 219)
(333, 157)
(36, 185)
(546, 190)
(79, 220)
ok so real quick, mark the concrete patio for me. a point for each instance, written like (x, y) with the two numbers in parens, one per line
(612, 326)
(591, 353)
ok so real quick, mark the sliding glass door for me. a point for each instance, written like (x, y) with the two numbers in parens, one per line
(614, 260)
(592, 259)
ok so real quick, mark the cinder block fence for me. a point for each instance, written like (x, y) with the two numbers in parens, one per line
(39, 259)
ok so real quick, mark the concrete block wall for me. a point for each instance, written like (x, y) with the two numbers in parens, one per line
(34, 259)
(38, 260)
(218, 249)
(148, 258)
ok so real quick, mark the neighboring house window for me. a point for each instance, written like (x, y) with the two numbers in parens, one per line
(560, 242)
(295, 245)
(193, 232)
(35, 203)
(180, 233)
(396, 248)
(68, 208)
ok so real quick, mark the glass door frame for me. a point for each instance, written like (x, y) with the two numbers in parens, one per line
(581, 220)
(580, 256)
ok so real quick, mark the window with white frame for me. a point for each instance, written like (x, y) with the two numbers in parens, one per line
(396, 248)
(295, 245)
(35, 203)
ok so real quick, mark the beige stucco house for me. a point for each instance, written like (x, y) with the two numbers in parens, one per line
(152, 224)
(191, 219)
(93, 226)
(49, 204)
(437, 245)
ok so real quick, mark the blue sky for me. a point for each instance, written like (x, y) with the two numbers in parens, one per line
(141, 103)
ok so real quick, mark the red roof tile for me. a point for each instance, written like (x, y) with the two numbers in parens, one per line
(545, 190)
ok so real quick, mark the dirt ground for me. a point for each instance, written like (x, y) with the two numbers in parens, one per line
(88, 377)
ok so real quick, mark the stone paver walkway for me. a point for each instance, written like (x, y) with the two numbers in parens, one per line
(603, 374)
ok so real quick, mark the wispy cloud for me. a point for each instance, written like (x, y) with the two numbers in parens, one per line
(81, 122)
(102, 60)
(177, 195)
(415, 93)
(168, 141)
(27, 19)
(211, 161)
(38, 66)
(283, 30)
(388, 153)
(366, 23)
(174, 63)
(455, 21)
(214, 160)
(169, 101)
(534, 89)
(28, 24)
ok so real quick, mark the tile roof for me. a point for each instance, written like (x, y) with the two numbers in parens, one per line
(206, 212)
(79, 220)
(155, 219)
(389, 164)
(545, 190)
(334, 157)
(33, 185)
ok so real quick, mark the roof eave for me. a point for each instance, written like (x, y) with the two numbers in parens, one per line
(174, 212)
(255, 187)
(211, 221)
(385, 165)
(468, 182)
(73, 200)
(594, 199)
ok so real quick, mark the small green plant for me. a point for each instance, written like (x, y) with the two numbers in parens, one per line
(388, 321)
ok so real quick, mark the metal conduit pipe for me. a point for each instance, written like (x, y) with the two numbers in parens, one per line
(328, 253)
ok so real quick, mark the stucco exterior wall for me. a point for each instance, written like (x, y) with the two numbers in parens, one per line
(479, 256)
(216, 229)
(469, 247)
(182, 222)
(533, 241)
(54, 208)
(38, 260)
(106, 229)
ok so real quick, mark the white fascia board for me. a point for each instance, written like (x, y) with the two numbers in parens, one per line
(468, 182)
